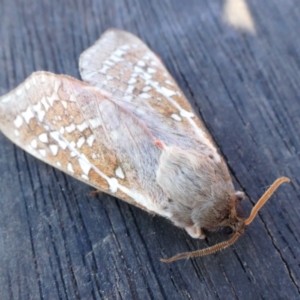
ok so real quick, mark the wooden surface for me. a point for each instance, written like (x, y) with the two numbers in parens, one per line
(59, 242)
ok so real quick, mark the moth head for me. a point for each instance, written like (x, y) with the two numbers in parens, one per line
(222, 210)
(264, 198)
(200, 189)
(232, 219)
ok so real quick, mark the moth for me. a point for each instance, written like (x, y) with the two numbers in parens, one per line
(127, 130)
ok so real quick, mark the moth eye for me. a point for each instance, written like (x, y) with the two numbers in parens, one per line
(227, 219)
(226, 230)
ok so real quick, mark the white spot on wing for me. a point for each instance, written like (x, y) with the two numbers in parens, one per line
(85, 177)
(131, 81)
(70, 128)
(80, 142)
(119, 173)
(109, 63)
(130, 89)
(116, 58)
(146, 89)
(186, 114)
(18, 121)
(27, 85)
(176, 117)
(33, 144)
(72, 98)
(90, 140)
(28, 115)
(38, 109)
(84, 165)
(104, 69)
(43, 138)
(45, 103)
(19, 92)
(119, 52)
(169, 82)
(113, 184)
(70, 168)
(167, 92)
(145, 96)
(52, 98)
(83, 126)
(73, 154)
(151, 70)
(95, 122)
(141, 63)
(55, 136)
(138, 70)
(53, 149)
(64, 104)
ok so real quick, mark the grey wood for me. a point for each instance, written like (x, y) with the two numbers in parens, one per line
(59, 242)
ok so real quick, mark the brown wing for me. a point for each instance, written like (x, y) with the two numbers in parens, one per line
(79, 130)
(124, 66)
(104, 135)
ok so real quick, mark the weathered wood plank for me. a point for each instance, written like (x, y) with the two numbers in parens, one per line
(58, 242)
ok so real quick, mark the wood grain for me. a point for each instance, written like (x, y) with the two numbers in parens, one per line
(59, 242)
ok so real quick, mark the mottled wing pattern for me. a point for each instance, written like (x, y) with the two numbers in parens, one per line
(77, 129)
(102, 132)
(124, 66)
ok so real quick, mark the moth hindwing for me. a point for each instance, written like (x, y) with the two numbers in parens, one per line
(126, 130)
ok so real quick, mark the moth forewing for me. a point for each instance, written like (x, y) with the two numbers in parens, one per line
(122, 64)
(77, 129)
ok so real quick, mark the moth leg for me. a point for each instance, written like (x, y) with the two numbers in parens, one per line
(195, 232)
(96, 192)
